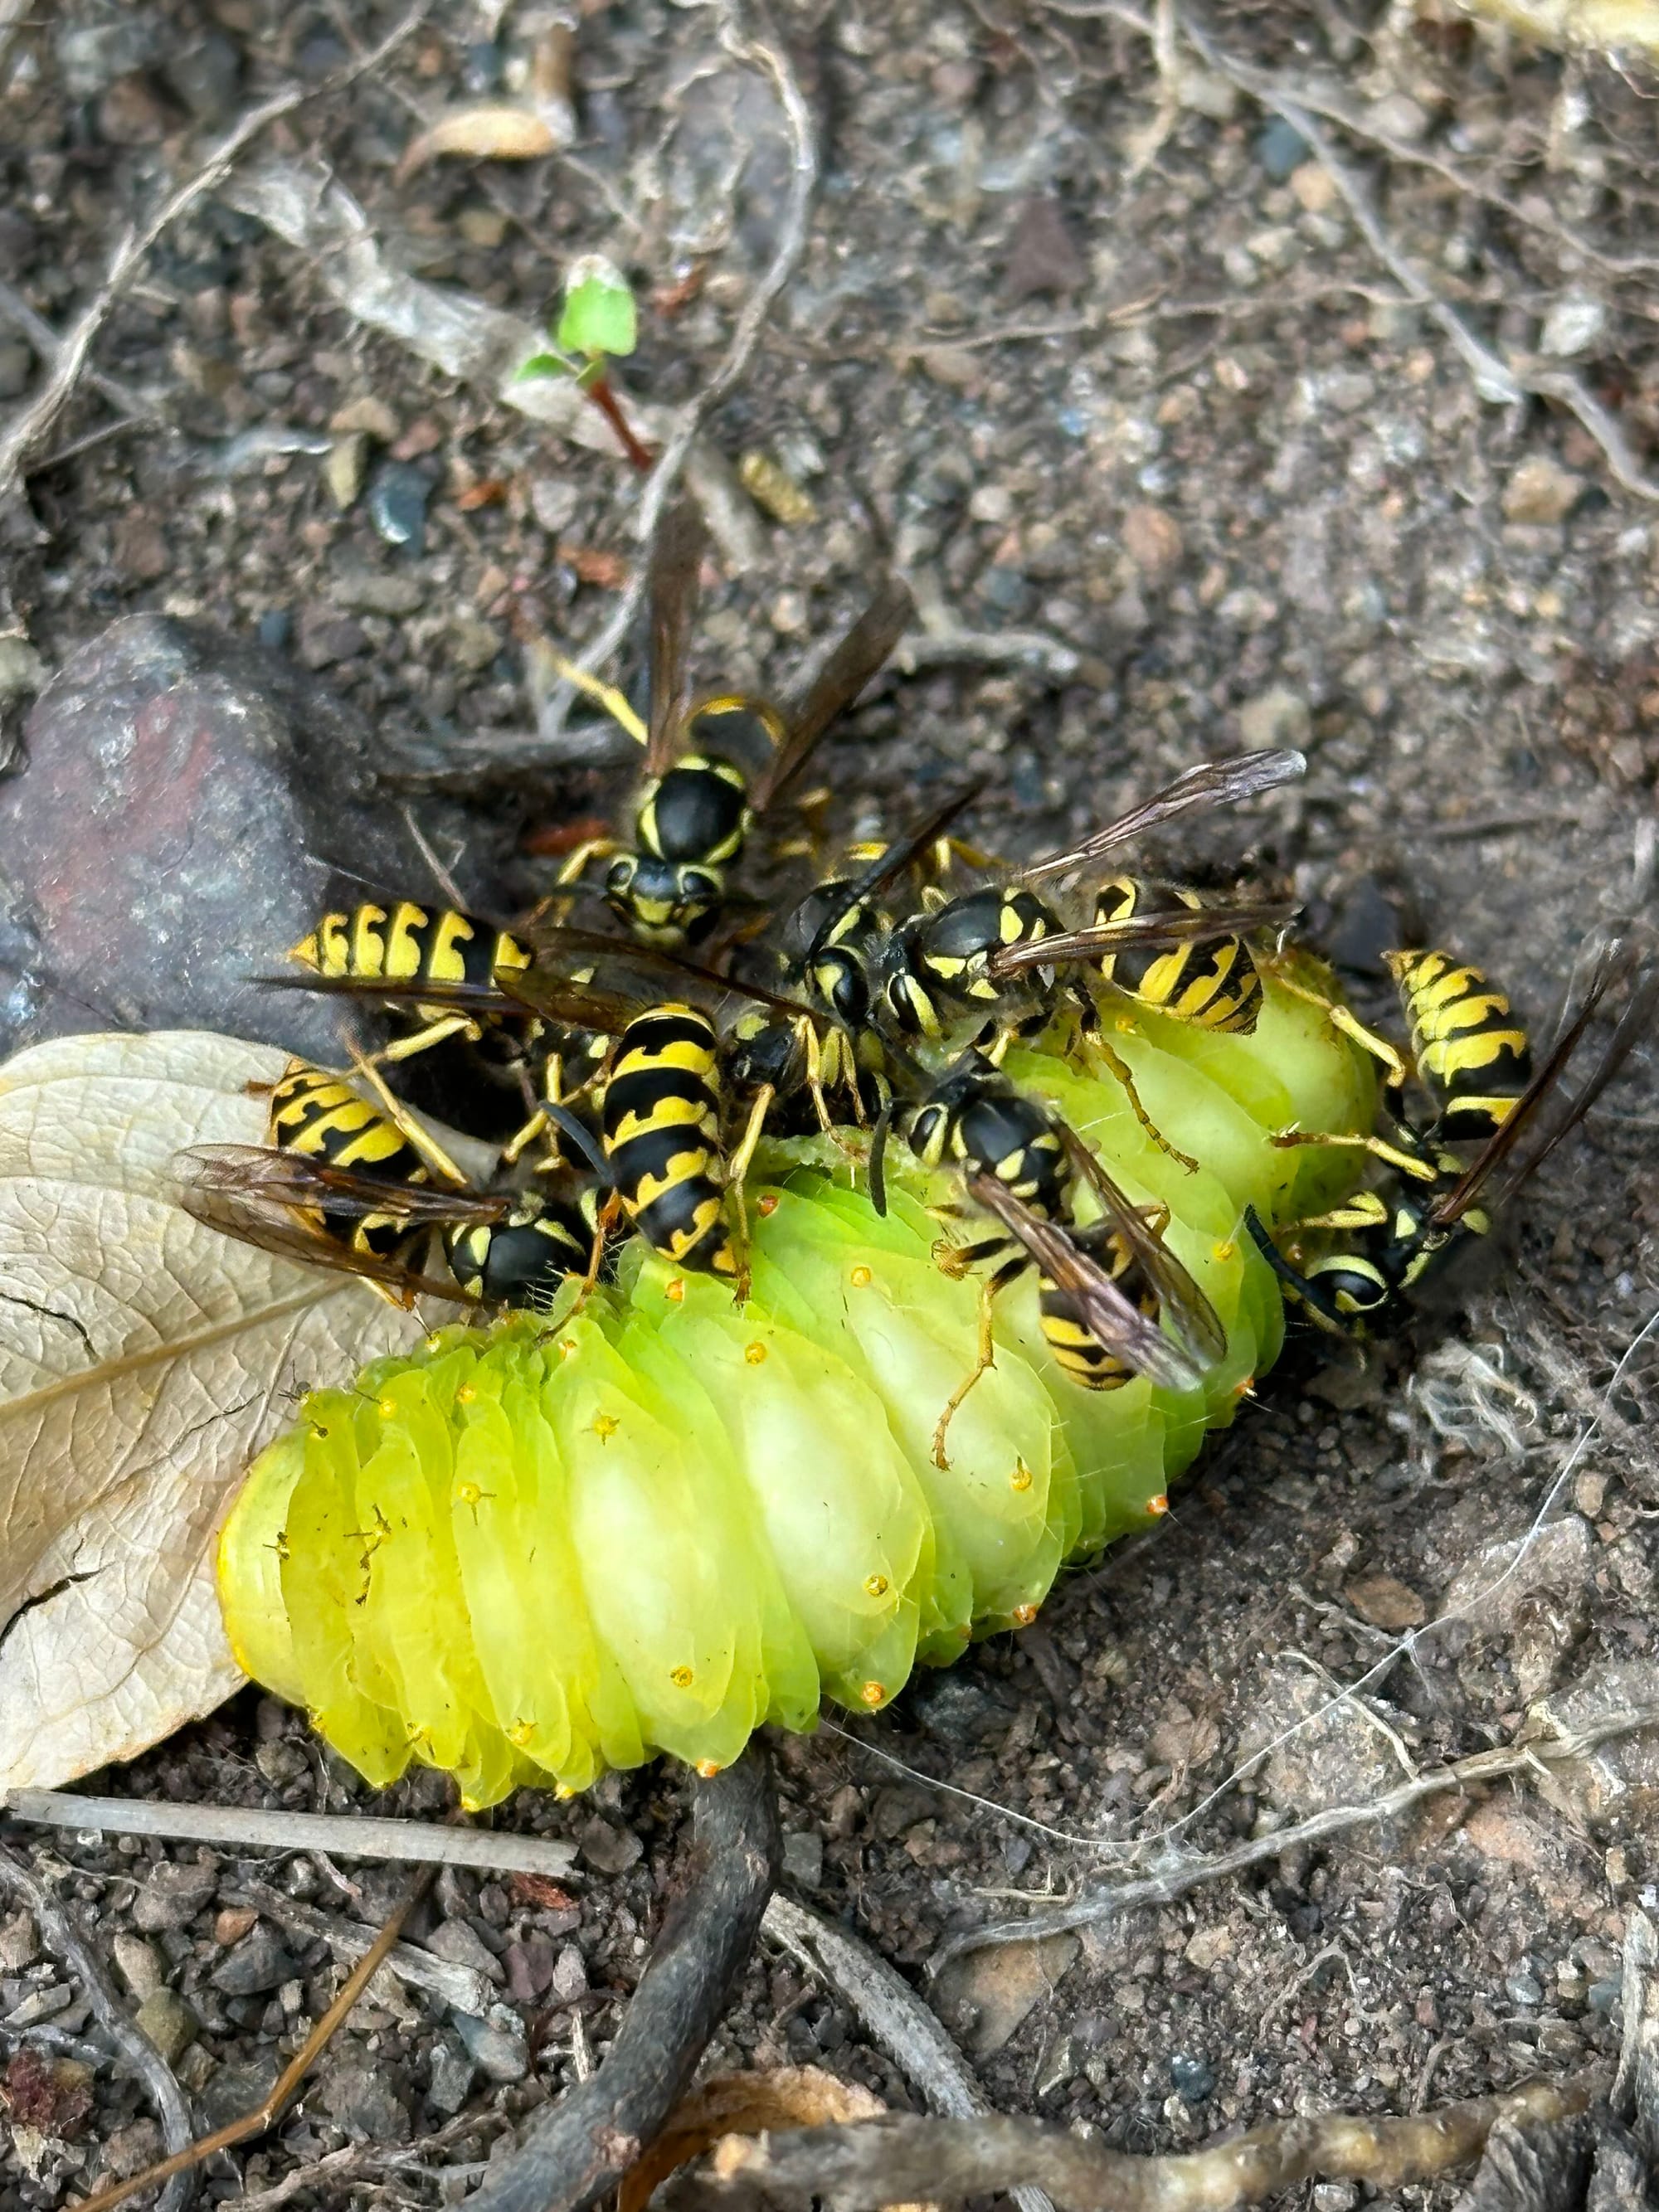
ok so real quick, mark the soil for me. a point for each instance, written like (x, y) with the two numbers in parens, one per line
(1156, 399)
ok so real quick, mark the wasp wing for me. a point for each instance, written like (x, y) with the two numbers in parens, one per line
(1618, 959)
(242, 1214)
(677, 552)
(1210, 784)
(515, 993)
(1110, 1317)
(1197, 1325)
(266, 1175)
(1141, 932)
(891, 863)
(849, 667)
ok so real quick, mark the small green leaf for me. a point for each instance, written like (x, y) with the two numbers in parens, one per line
(544, 364)
(599, 316)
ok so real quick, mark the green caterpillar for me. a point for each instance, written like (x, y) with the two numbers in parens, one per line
(530, 1552)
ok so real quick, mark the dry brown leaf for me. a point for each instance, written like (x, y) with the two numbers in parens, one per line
(493, 130)
(143, 1359)
(748, 2105)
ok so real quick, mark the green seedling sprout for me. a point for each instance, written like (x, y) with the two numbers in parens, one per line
(598, 323)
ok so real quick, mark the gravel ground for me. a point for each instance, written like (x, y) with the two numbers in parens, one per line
(1127, 380)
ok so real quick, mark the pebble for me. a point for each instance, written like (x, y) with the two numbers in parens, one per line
(259, 1962)
(344, 469)
(397, 498)
(1574, 325)
(1318, 1753)
(16, 367)
(1057, 2067)
(90, 55)
(362, 2101)
(1193, 2075)
(1279, 717)
(1314, 189)
(22, 671)
(1152, 540)
(1335, 2195)
(276, 627)
(140, 1964)
(499, 2054)
(377, 592)
(463, 1946)
(1397, 115)
(803, 1858)
(1522, 1988)
(19, 1943)
(169, 2022)
(481, 68)
(140, 546)
(607, 1849)
(554, 501)
(206, 73)
(369, 414)
(1541, 490)
(1281, 149)
(954, 1708)
(569, 1978)
(326, 637)
(1001, 1985)
(171, 1896)
(473, 644)
(450, 2083)
(481, 226)
(1043, 257)
(133, 112)
(1386, 1603)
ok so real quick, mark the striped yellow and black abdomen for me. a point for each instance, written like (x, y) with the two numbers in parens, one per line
(660, 1124)
(1079, 1352)
(1215, 986)
(1470, 1051)
(408, 943)
(316, 1115)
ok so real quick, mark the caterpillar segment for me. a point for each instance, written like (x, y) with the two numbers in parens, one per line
(536, 1550)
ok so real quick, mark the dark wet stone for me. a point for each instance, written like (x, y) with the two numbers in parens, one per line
(607, 1849)
(187, 800)
(1042, 255)
(1192, 2077)
(235, 2090)
(359, 2098)
(206, 73)
(260, 1961)
(497, 2054)
(172, 1895)
(276, 627)
(1280, 149)
(16, 367)
(398, 495)
(481, 68)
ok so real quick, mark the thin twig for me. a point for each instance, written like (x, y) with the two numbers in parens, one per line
(342, 2169)
(1109, 1901)
(242, 1826)
(31, 423)
(892, 2015)
(137, 2053)
(877, 2162)
(760, 49)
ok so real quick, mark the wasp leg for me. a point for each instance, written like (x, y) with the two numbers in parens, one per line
(1097, 1048)
(738, 1166)
(406, 1125)
(959, 1259)
(1407, 1162)
(1319, 1307)
(605, 1218)
(1395, 1071)
(448, 1026)
(570, 871)
(601, 693)
(986, 1357)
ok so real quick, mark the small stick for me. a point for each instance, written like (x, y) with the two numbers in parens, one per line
(242, 1826)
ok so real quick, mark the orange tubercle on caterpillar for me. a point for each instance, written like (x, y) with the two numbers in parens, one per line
(674, 1291)
(1021, 1477)
(1023, 1615)
(605, 1426)
(860, 1278)
(708, 1768)
(754, 1353)
(875, 1585)
(874, 1694)
(1158, 1504)
(766, 1202)
(681, 1677)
